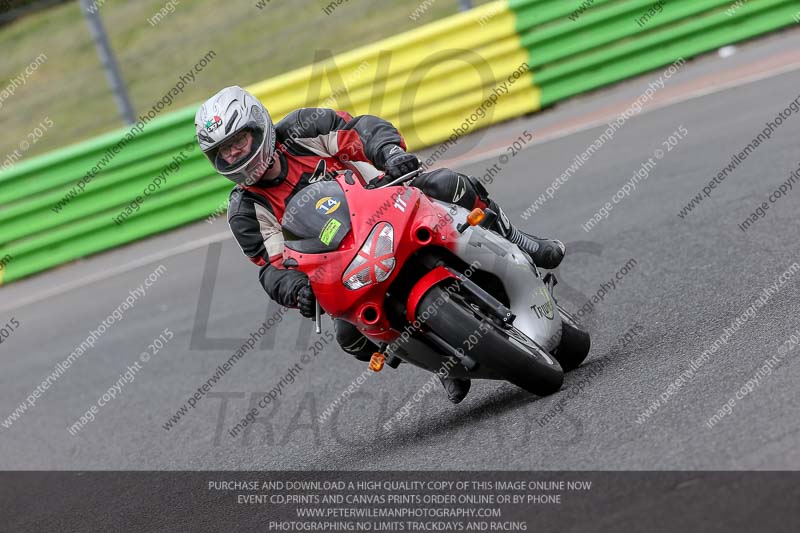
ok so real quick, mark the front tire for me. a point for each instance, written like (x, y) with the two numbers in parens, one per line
(575, 342)
(505, 350)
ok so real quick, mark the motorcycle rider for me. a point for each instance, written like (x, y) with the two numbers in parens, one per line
(270, 163)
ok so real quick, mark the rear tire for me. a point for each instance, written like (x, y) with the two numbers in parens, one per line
(506, 351)
(575, 342)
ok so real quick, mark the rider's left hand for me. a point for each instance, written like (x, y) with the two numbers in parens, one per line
(398, 162)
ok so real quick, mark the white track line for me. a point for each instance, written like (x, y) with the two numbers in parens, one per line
(115, 271)
(199, 243)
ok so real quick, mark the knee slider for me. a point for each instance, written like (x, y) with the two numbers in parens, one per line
(352, 341)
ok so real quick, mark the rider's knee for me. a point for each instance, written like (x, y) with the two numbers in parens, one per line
(352, 341)
(453, 187)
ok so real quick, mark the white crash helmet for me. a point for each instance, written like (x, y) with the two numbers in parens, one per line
(224, 115)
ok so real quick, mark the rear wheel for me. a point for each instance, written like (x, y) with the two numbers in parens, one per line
(501, 348)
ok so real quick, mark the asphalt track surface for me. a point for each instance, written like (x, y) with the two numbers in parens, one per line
(691, 279)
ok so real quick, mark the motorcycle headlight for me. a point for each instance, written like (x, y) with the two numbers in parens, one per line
(374, 262)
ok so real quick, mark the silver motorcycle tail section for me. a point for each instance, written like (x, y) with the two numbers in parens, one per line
(530, 299)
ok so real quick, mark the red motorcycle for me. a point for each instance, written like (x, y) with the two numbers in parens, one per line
(429, 284)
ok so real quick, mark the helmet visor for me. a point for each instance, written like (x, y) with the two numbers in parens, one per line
(237, 142)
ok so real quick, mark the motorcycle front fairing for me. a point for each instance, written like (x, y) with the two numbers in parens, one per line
(404, 209)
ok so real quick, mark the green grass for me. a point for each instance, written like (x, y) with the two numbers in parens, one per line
(71, 89)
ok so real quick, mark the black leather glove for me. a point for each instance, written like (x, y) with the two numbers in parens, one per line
(290, 288)
(397, 162)
(306, 301)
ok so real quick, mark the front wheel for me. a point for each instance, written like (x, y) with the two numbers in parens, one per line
(575, 342)
(503, 349)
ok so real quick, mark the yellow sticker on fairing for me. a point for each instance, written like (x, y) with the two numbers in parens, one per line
(329, 231)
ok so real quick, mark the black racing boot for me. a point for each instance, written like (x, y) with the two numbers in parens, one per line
(546, 253)
(456, 389)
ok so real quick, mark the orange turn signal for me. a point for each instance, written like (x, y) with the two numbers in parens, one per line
(376, 362)
(475, 216)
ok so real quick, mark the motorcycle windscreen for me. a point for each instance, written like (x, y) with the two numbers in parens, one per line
(317, 218)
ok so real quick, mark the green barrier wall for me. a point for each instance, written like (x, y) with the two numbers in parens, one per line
(426, 81)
